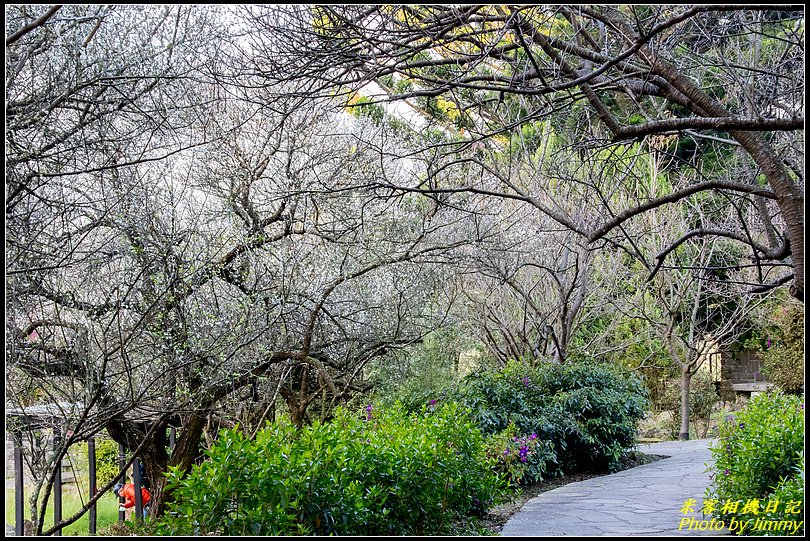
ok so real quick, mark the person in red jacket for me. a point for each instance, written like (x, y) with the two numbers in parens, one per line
(128, 493)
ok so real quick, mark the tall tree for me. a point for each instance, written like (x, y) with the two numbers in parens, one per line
(86, 95)
(717, 77)
(527, 286)
(186, 246)
(694, 310)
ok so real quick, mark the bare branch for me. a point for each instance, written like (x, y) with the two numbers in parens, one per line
(674, 197)
(32, 25)
(711, 123)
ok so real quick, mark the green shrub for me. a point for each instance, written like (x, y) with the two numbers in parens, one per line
(420, 373)
(787, 493)
(520, 459)
(759, 456)
(783, 350)
(587, 412)
(106, 458)
(106, 461)
(386, 472)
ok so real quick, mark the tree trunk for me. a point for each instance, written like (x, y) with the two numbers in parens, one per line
(297, 411)
(155, 458)
(686, 379)
(184, 453)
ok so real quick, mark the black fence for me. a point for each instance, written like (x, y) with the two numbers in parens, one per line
(19, 492)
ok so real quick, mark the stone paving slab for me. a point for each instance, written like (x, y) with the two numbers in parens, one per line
(646, 500)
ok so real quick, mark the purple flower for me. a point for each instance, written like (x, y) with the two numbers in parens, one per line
(523, 452)
(525, 380)
(769, 342)
(505, 452)
(742, 425)
(726, 472)
(533, 436)
(432, 402)
(368, 412)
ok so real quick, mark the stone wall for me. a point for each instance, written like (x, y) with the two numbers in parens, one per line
(739, 367)
(746, 368)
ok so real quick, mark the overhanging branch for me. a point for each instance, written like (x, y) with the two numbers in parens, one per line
(709, 123)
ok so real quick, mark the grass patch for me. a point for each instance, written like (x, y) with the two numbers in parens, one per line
(106, 512)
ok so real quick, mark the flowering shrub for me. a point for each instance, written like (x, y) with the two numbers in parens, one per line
(587, 413)
(519, 459)
(383, 472)
(760, 455)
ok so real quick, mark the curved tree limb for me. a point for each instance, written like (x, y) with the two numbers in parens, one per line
(674, 197)
(769, 253)
(32, 25)
(709, 123)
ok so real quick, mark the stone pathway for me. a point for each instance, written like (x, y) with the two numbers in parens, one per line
(646, 500)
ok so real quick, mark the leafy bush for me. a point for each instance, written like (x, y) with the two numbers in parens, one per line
(587, 412)
(760, 454)
(628, 342)
(417, 374)
(520, 459)
(783, 351)
(106, 459)
(788, 492)
(386, 472)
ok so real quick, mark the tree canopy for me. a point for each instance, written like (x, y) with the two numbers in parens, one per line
(216, 211)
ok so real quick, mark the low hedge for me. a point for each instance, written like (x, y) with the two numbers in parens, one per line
(382, 472)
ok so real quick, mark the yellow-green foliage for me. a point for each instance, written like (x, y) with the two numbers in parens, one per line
(106, 459)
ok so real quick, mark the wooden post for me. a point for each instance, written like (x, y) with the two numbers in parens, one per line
(122, 461)
(57, 482)
(136, 480)
(91, 464)
(18, 485)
